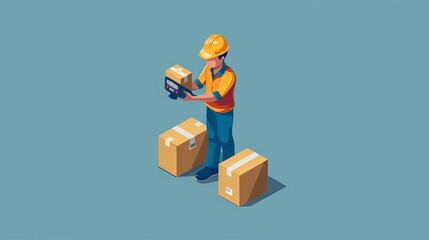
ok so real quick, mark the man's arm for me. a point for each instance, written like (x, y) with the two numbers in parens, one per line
(194, 86)
(197, 84)
(206, 97)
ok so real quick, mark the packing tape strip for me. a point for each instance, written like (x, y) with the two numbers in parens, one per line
(179, 71)
(188, 135)
(240, 163)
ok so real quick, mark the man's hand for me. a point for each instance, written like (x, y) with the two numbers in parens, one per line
(188, 97)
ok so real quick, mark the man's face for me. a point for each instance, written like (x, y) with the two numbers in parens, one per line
(214, 62)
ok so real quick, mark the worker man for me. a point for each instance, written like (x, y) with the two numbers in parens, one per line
(219, 80)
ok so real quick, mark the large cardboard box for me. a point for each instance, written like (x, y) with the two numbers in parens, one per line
(181, 75)
(243, 177)
(183, 147)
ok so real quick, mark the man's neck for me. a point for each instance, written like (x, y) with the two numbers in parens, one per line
(215, 70)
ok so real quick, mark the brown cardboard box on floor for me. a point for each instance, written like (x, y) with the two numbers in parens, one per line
(183, 147)
(243, 177)
(181, 75)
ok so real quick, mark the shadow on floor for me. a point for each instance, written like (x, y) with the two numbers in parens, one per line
(273, 187)
(192, 172)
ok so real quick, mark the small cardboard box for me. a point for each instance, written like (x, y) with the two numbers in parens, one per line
(243, 177)
(183, 147)
(181, 75)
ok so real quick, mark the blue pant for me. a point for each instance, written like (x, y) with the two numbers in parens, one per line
(219, 131)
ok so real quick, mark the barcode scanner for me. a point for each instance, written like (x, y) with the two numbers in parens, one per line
(175, 89)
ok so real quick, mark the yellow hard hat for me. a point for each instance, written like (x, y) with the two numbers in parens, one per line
(214, 46)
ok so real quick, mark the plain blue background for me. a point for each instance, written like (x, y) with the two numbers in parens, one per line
(334, 93)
